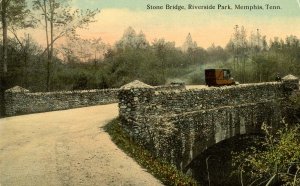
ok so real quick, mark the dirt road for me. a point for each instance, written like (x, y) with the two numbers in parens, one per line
(65, 148)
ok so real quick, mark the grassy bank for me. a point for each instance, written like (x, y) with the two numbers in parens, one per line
(163, 171)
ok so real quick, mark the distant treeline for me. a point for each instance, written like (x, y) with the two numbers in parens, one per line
(90, 64)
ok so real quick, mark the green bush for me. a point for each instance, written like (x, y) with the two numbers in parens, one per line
(275, 161)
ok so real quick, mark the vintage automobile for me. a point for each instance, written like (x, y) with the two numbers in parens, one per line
(218, 77)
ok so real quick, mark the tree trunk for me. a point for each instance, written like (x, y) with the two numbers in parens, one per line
(51, 38)
(3, 68)
(244, 69)
(48, 52)
(26, 55)
(5, 39)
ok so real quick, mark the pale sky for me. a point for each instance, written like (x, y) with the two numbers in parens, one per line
(206, 26)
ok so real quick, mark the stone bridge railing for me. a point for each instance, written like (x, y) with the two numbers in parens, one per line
(178, 124)
(21, 101)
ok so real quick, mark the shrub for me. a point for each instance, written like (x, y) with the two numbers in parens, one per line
(275, 161)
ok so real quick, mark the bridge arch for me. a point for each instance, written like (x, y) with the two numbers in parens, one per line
(214, 165)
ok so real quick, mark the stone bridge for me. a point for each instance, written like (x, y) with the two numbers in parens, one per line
(175, 123)
(178, 124)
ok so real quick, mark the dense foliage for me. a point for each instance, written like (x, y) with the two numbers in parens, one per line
(276, 161)
(89, 64)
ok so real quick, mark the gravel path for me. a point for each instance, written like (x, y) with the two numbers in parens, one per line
(65, 148)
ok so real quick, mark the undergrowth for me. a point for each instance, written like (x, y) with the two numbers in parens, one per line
(162, 170)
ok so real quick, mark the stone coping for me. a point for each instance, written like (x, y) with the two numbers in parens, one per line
(18, 89)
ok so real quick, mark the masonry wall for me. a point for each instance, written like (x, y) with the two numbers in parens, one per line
(178, 124)
(142, 103)
(24, 102)
(21, 101)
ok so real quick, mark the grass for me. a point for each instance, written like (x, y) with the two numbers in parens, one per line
(162, 170)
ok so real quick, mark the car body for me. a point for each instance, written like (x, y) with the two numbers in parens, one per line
(218, 77)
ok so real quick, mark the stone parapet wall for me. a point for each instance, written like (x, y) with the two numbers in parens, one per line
(203, 99)
(21, 101)
(147, 102)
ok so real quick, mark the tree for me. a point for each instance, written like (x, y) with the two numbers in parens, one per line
(84, 50)
(258, 46)
(238, 46)
(59, 20)
(189, 44)
(161, 48)
(132, 40)
(26, 47)
(13, 14)
(217, 54)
